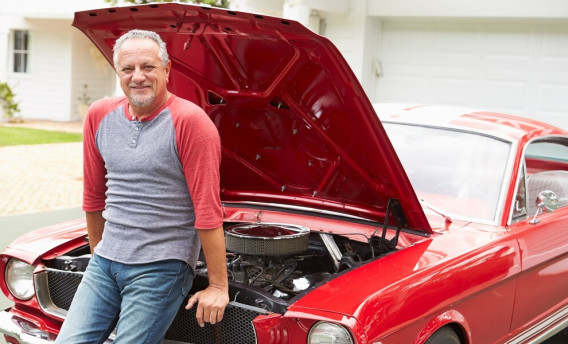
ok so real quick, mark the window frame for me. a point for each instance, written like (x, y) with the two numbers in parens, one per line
(20, 54)
(522, 192)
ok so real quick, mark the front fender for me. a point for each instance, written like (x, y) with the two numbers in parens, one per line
(46, 241)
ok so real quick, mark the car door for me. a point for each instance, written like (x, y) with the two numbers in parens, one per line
(543, 239)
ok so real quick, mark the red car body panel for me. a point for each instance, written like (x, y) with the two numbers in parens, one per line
(43, 242)
(303, 146)
(378, 295)
(544, 261)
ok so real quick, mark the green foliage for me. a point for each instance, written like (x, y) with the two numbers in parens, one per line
(9, 105)
(12, 136)
(216, 3)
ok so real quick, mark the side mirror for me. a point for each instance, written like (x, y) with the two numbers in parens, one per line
(546, 202)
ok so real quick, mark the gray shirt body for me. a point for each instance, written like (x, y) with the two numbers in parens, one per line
(149, 212)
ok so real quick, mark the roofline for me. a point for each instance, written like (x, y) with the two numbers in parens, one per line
(491, 123)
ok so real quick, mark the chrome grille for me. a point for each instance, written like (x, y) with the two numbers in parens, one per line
(55, 291)
(236, 327)
(62, 287)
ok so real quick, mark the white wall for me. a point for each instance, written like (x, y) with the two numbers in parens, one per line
(48, 90)
(518, 67)
(43, 91)
(357, 36)
(48, 9)
(90, 68)
(524, 9)
(266, 7)
(509, 55)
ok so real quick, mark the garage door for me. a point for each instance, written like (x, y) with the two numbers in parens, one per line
(513, 67)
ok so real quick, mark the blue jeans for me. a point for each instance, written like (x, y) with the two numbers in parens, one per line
(140, 300)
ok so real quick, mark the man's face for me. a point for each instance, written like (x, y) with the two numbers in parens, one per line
(143, 79)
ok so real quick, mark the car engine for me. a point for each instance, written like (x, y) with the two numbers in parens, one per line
(270, 265)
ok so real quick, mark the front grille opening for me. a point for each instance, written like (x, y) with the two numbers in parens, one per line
(235, 328)
(62, 287)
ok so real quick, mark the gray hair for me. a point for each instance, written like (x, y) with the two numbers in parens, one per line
(141, 34)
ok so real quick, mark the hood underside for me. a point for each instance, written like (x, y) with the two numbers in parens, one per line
(295, 124)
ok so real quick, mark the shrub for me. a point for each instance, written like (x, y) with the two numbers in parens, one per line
(8, 102)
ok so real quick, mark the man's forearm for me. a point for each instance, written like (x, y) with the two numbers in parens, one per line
(213, 299)
(213, 244)
(95, 227)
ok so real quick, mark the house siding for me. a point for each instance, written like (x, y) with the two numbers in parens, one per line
(60, 61)
(43, 91)
(89, 67)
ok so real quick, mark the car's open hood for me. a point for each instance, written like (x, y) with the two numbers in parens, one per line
(296, 126)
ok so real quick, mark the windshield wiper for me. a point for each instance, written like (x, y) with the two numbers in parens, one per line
(435, 209)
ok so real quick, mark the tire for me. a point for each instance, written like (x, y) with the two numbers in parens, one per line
(445, 335)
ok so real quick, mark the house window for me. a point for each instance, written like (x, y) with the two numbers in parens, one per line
(21, 52)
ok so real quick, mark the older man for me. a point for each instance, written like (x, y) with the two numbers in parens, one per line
(151, 195)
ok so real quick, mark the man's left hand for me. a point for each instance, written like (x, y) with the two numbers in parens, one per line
(212, 301)
(211, 304)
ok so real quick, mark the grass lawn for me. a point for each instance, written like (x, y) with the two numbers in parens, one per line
(13, 136)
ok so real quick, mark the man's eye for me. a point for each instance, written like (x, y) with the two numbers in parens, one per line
(127, 70)
(149, 67)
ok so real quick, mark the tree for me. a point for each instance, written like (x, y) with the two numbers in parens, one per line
(216, 3)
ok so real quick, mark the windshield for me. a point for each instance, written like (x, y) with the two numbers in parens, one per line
(460, 173)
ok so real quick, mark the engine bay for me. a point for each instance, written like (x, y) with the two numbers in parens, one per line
(270, 265)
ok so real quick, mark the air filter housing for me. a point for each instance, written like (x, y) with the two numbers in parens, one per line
(267, 239)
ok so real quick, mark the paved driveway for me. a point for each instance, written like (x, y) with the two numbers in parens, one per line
(40, 178)
(40, 185)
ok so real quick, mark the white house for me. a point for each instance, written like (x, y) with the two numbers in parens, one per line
(504, 55)
(46, 61)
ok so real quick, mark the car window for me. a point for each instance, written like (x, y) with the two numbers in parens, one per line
(546, 162)
(459, 172)
(548, 151)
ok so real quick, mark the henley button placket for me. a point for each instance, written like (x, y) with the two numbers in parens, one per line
(135, 134)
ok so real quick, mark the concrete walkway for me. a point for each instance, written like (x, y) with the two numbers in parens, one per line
(40, 178)
(40, 185)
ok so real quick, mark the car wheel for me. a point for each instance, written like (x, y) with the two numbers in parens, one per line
(445, 335)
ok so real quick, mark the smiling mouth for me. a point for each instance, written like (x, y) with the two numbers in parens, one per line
(139, 87)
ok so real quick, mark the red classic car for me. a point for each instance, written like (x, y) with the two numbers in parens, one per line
(451, 229)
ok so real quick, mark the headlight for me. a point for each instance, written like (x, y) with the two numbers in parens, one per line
(329, 333)
(19, 279)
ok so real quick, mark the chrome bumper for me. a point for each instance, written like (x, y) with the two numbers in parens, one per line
(22, 332)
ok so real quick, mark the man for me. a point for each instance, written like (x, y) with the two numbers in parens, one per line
(151, 195)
